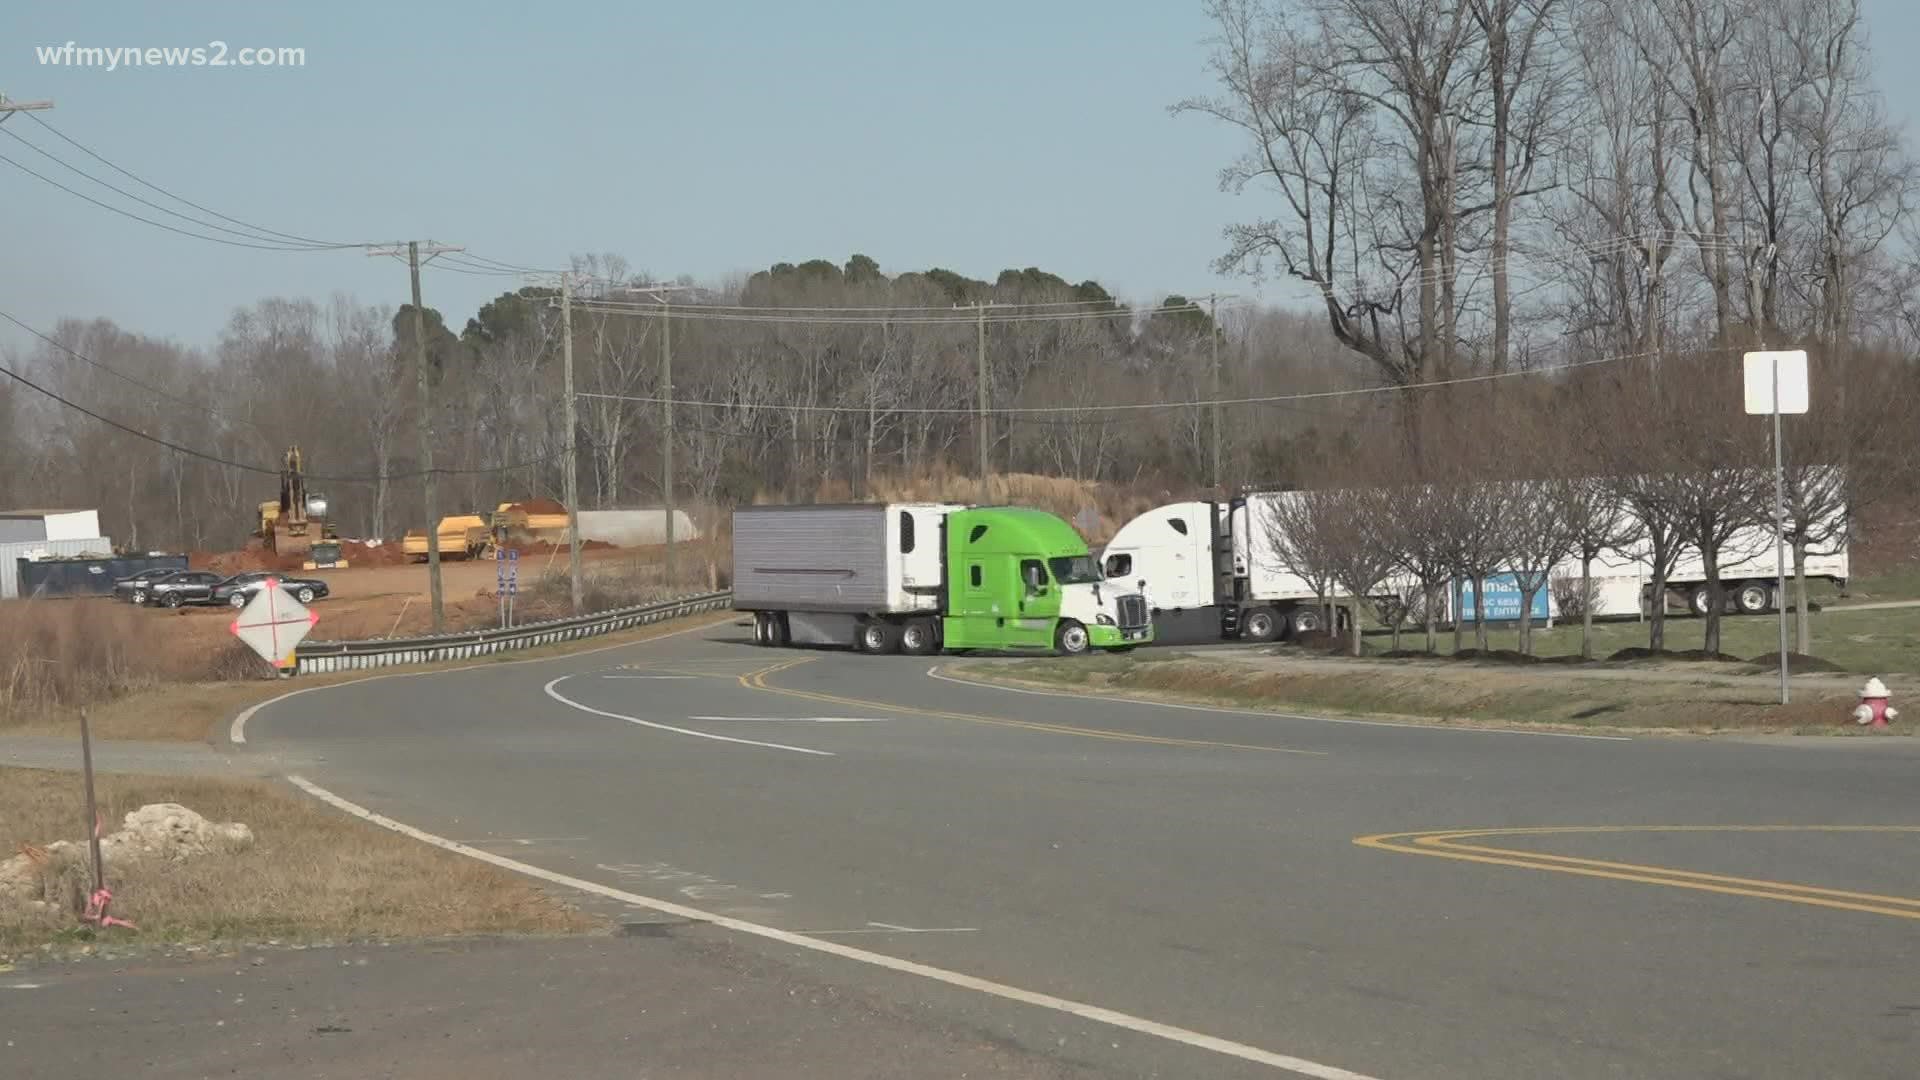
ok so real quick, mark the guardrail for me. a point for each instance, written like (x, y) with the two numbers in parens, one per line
(319, 657)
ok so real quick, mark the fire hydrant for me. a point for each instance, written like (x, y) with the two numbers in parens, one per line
(1874, 708)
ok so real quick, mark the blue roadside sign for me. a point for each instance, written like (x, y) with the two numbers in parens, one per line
(513, 572)
(1503, 600)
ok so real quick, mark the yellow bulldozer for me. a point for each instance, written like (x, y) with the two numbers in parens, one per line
(296, 523)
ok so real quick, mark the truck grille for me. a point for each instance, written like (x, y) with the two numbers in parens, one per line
(1132, 610)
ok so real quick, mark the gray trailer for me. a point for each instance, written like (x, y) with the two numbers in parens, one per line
(832, 572)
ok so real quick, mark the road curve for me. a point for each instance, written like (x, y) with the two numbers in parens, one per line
(1192, 870)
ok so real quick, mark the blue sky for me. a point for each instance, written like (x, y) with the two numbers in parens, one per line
(692, 139)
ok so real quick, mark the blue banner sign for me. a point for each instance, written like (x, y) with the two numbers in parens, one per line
(1502, 602)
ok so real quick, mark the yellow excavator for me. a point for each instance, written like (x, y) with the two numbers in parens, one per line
(296, 523)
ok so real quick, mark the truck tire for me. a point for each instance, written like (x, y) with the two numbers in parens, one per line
(1070, 639)
(1753, 598)
(779, 634)
(1261, 624)
(1303, 620)
(761, 634)
(879, 637)
(917, 638)
(1699, 600)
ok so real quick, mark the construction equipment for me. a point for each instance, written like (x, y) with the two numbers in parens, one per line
(296, 522)
(462, 536)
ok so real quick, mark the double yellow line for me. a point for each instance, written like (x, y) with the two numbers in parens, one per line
(757, 681)
(1453, 844)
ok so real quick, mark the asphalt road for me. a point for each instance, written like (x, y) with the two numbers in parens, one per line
(1187, 867)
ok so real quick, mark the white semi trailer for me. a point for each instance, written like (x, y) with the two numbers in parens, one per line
(1192, 556)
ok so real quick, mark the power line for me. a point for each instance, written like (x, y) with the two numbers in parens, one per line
(911, 319)
(147, 221)
(1270, 399)
(244, 466)
(302, 246)
(180, 199)
(117, 373)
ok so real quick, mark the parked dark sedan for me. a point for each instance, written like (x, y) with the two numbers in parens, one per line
(182, 587)
(239, 589)
(133, 589)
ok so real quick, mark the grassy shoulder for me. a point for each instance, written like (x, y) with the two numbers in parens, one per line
(1442, 692)
(191, 712)
(1869, 642)
(311, 874)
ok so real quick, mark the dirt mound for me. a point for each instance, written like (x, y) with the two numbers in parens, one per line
(1638, 652)
(1795, 662)
(360, 553)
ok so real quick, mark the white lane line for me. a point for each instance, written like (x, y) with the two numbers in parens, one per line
(798, 719)
(572, 704)
(926, 930)
(934, 672)
(649, 676)
(237, 731)
(1114, 1018)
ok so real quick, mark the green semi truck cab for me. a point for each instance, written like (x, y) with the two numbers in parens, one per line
(1023, 579)
(922, 577)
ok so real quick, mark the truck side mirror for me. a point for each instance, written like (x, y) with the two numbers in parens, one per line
(1034, 585)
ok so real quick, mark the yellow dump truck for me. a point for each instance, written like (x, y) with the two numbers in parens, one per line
(537, 521)
(462, 536)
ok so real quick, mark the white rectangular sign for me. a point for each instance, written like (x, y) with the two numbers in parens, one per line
(1793, 382)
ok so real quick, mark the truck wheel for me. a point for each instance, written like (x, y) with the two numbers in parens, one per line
(1699, 600)
(1263, 624)
(879, 637)
(1303, 620)
(1753, 598)
(917, 638)
(759, 628)
(1070, 639)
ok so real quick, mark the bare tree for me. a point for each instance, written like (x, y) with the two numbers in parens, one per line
(1304, 541)
(1360, 552)
(1597, 524)
(1539, 534)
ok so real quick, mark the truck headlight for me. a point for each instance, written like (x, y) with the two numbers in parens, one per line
(1104, 619)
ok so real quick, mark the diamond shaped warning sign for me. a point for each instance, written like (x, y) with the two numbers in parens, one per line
(273, 623)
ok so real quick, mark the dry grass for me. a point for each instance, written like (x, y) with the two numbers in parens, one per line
(1560, 699)
(189, 713)
(60, 655)
(311, 874)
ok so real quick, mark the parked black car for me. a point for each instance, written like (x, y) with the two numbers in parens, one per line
(183, 587)
(134, 589)
(239, 589)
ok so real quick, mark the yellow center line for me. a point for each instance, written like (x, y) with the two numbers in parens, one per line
(1441, 843)
(757, 681)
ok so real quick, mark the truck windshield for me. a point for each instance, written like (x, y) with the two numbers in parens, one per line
(1074, 570)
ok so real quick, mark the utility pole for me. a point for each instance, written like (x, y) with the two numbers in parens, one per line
(659, 295)
(571, 486)
(980, 374)
(413, 256)
(1213, 335)
(666, 421)
(8, 107)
